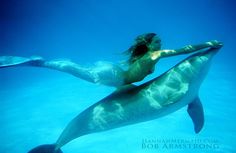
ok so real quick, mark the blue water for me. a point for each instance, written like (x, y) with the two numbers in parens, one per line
(37, 103)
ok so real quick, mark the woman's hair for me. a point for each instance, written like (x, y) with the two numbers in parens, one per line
(140, 47)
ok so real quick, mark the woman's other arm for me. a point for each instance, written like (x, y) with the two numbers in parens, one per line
(187, 49)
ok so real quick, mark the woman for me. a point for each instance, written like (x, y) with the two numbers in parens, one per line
(144, 54)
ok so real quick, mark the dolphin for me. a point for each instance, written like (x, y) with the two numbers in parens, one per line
(165, 94)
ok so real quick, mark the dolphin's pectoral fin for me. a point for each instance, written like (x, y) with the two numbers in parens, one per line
(195, 111)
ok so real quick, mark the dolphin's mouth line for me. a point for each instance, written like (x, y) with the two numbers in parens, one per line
(205, 52)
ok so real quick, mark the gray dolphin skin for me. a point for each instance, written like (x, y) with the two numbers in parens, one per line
(176, 88)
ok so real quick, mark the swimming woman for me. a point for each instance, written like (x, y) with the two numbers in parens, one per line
(144, 54)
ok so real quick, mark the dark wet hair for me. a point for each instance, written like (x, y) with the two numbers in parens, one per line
(140, 47)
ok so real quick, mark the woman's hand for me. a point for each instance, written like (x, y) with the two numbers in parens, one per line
(215, 44)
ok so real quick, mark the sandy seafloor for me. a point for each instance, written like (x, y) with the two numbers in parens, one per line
(36, 104)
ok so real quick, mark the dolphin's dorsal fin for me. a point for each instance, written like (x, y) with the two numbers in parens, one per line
(195, 111)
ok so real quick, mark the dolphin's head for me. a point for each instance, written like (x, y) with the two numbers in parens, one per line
(201, 60)
(195, 67)
(191, 71)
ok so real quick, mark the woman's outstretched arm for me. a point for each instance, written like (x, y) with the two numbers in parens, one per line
(146, 64)
(187, 49)
(99, 73)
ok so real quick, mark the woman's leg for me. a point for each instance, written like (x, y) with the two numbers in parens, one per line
(100, 73)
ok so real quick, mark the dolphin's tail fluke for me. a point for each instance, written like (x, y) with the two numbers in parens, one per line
(48, 148)
(8, 61)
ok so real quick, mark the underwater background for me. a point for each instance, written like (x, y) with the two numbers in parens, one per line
(37, 103)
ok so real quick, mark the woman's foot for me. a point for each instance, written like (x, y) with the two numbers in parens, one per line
(6, 61)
